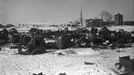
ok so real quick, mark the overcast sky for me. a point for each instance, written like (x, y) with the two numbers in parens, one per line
(60, 11)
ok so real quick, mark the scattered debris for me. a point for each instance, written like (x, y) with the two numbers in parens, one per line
(62, 74)
(60, 53)
(89, 63)
(124, 74)
(13, 47)
(127, 63)
(39, 74)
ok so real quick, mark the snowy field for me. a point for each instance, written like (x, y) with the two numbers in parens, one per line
(126, 28)
(116, 28)
(71, 62)
(25, 29)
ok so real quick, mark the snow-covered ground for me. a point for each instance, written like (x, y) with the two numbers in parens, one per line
(71, 62)
(126, 28)
(26, 29)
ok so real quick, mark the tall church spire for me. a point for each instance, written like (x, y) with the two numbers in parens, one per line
(81, 14)
(81, 18)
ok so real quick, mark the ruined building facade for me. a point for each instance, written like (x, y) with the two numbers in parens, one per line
(118, 19)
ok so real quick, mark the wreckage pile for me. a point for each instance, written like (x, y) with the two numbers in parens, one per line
(37, 41)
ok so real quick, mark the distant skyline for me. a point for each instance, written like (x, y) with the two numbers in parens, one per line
(60, 11)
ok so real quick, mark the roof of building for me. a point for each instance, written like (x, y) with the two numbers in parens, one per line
(118, 14)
